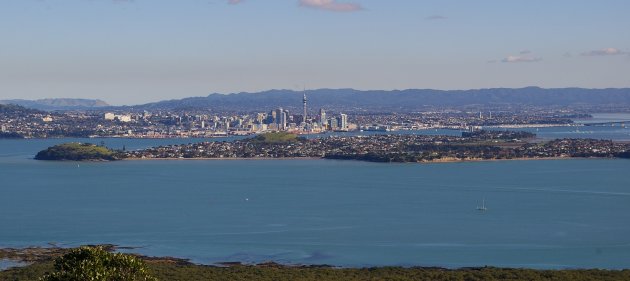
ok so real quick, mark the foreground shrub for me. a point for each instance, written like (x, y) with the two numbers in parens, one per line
(96, 264)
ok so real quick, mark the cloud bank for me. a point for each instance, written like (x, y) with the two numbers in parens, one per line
(605, 52)
(331, 5)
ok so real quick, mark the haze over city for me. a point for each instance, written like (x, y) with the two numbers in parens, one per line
(137, 51)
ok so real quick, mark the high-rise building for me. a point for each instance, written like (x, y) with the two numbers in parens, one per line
(284, 119)
(343, 121)
(322, 117)
(333, 123)
(277, 115)
(281, 118)
(260, 117)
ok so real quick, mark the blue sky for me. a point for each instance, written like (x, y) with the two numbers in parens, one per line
(136, 51)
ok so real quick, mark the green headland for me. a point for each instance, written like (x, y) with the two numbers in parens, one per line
(77, 152)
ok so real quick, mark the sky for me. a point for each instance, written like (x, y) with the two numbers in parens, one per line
(138, 51)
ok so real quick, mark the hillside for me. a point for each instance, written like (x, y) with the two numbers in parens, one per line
(13, 109)
(400, 99)
(77, 152)
(58, 104)
(276, 137)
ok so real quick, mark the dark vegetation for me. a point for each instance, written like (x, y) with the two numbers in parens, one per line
(77, 152)
(94, 263)
(275, 137)
(13, 109)
(163, 270)
(84, 263)
(499, 135)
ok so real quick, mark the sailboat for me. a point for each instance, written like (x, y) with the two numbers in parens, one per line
(483, 206)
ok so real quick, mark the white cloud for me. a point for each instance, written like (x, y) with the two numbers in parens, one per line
(331, 5)
(605, 52)
(514, 59)
(234, 2)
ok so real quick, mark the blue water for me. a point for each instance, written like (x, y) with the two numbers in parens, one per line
(541, 214)
(6, 264)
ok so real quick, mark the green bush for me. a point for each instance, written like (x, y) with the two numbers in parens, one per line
(96, 264)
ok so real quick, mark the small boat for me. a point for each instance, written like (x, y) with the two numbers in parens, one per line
(483, 206)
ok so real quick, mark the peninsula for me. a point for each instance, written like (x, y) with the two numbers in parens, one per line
(479, 145)
(471, 146)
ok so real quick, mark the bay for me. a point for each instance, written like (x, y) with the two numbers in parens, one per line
(541, 214)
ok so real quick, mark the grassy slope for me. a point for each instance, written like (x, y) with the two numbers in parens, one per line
(170, 271)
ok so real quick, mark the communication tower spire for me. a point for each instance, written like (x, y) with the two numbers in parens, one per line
(304, 105)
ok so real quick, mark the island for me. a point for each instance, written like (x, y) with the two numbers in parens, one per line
(77, 152)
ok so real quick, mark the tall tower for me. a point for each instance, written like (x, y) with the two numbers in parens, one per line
(322, 117)
(343, 121)
(281, 118)
(304, 104)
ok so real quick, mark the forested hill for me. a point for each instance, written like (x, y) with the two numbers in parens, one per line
(401, 99)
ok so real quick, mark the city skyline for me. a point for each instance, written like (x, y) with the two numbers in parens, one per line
(132, 52)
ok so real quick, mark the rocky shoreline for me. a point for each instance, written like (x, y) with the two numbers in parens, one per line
(35, 262)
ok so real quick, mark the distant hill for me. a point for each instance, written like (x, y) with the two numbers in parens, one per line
(12, 109)
(58, 104)
(399, 99)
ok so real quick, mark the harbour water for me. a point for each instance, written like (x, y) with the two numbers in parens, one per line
(541, 214)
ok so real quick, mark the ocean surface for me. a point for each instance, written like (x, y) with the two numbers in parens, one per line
(541, 214)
